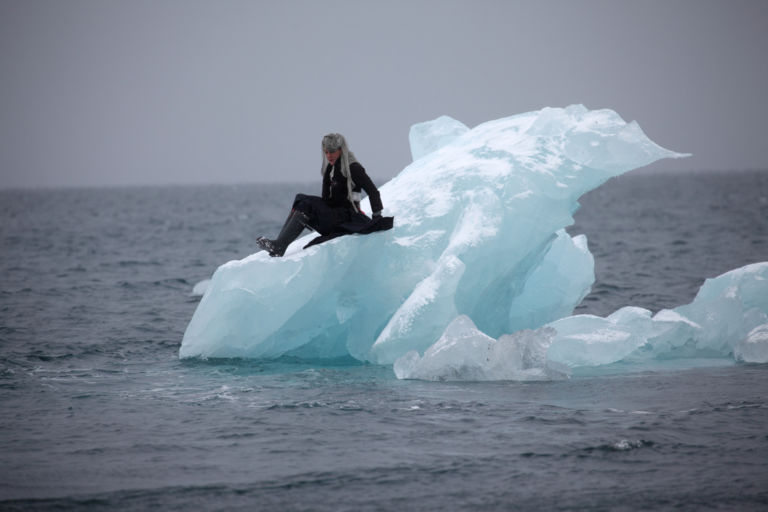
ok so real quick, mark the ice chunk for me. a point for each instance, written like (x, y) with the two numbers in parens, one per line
(429, 136)
(479, 218)
(728, 316)
(431, 301)
(754, 348)
(728, 307)
(561, 281)
(465, 353)
(201, 287)
(588, 340)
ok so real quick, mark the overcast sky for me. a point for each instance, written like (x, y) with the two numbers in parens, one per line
(109, 92)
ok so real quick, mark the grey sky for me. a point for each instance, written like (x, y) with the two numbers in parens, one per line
(107, 92)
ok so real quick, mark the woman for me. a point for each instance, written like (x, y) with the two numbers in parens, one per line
(337, 212)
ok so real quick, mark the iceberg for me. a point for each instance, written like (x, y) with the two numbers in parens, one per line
(479, 235)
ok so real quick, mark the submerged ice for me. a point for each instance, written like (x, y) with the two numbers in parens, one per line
(465, 353)
(479, 235)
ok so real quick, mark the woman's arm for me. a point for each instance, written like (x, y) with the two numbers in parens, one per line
(361, 179)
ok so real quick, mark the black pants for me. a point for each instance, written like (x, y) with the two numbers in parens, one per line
(326, 219)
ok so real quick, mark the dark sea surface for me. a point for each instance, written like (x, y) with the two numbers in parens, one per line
(98, 412)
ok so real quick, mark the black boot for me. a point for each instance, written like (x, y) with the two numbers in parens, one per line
(292, 228)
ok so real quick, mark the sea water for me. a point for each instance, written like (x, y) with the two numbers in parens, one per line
(98, 412)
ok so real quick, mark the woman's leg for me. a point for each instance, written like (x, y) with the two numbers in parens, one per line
(320, 216)
(292, 228)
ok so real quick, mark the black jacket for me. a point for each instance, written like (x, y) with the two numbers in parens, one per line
(335, 190)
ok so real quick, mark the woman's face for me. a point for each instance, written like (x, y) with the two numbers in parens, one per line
(332, 156)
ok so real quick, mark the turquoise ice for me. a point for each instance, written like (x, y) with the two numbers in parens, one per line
(479, 234)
